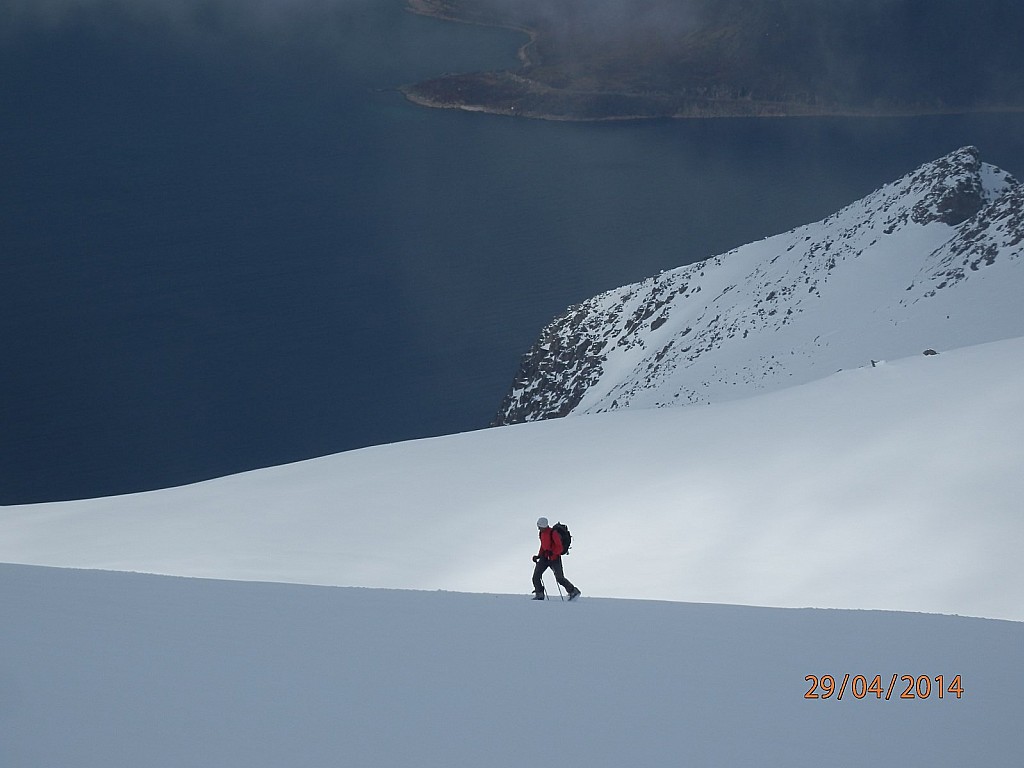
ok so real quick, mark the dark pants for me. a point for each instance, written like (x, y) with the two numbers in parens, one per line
(556, 566)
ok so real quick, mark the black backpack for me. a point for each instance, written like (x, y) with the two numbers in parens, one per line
(564, 535)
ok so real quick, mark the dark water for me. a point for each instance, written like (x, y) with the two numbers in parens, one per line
(226, 242)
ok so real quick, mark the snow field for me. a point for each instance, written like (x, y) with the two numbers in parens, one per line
(895, 487)
(105, 669)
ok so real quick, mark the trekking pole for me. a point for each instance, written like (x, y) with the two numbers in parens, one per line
(559, 591)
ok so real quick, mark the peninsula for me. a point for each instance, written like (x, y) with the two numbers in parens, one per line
(630, 59)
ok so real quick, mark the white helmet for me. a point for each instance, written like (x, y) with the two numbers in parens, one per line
(542, 522)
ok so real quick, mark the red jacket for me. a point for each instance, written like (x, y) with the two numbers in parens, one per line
(550, 544)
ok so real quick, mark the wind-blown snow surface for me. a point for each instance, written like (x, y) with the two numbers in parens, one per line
(890, 487)
(115, 670)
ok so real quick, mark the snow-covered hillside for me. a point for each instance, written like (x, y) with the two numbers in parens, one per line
(888, 487)
(893, 484)
(932, 261)
(116, 670)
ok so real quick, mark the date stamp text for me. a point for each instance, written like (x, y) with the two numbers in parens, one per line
(897, 687)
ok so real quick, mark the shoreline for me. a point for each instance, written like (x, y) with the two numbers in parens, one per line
(512, 93)
(527, 96)
(422, 8)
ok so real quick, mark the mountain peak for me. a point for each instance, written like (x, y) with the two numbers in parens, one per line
(953, 188)
(929, 261)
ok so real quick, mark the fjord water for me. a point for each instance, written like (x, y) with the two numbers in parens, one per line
(227, 241)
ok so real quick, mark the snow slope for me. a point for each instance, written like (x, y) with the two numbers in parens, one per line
(891, 487)
(932, 260)
(115, 670)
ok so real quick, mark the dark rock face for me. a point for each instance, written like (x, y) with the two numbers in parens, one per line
(995, 232)
(957, 192)
(556, 373)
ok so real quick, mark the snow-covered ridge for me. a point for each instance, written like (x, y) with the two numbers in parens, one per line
(931, 261)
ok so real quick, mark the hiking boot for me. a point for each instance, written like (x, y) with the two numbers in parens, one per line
(538, 595)
(574, 594)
